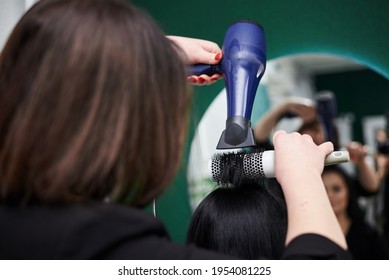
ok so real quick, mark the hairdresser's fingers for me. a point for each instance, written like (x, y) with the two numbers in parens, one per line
(277, 134)
(199, 55)
(210, 46)
(326, 147)
(215, 77)
(197, 50)
(209, 53)
(307, 137)
(203, 80)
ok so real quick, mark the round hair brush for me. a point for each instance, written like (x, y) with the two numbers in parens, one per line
(227, 167)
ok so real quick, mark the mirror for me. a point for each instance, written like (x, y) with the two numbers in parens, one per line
(358, 91)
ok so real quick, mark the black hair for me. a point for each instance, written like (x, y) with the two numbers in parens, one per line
(243, 218)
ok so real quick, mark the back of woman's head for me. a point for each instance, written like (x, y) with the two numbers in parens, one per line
(93, 100)
(248, 221)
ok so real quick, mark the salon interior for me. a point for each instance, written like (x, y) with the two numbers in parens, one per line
(334, 47)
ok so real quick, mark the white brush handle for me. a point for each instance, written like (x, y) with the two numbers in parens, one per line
(261, 165)
(337, 157)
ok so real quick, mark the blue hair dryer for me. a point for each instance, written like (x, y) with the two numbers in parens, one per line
(242, 66)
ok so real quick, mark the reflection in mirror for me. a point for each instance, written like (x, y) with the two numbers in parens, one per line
(286, 77)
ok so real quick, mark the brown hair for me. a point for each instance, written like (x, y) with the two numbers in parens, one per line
(93, 101)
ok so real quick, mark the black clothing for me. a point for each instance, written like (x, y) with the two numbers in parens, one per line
(365, 243)
(108, 231)
(314, 247)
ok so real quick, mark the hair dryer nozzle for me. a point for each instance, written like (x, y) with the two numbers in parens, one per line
(238, 134)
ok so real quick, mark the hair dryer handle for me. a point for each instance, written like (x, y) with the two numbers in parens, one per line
(207, 69)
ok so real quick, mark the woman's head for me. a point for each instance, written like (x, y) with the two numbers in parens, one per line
(337, 190)
(248, 221)
(93, 100)
(340, 192)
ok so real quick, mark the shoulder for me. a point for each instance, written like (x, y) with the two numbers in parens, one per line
(104, 214)
(89, 231)
(95, 230)
(120, 232)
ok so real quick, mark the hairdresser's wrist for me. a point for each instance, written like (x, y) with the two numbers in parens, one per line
(309, 211)
(297, 184)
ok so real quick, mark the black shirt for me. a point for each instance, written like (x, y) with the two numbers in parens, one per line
(108, 231)
(365, 243)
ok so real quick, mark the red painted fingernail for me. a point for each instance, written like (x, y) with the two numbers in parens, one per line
(218, 56)
(201, 80)
(214, 79)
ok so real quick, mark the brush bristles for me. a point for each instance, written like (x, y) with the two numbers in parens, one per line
(230, 168)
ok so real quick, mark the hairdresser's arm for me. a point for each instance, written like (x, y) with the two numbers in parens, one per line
(299, 163)
(301, 107)
(368, 178)
(199, 51)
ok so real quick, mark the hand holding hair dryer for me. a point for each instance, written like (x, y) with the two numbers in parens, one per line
(242, 66)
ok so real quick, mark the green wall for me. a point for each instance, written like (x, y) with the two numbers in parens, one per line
(356, 29)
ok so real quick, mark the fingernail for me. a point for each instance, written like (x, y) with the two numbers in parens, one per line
(218, 56)
(201, 79)
(192, 79)
(214, 79)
